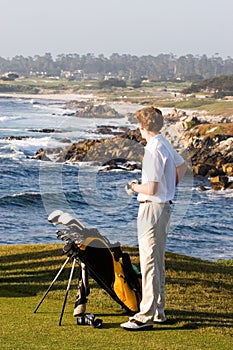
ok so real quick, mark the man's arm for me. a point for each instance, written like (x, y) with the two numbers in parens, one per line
(180, 172)
(148, 188)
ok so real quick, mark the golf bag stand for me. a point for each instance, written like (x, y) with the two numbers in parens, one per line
(68, 285)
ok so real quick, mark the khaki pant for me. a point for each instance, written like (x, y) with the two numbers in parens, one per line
(153, 224)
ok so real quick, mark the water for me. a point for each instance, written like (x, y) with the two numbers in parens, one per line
(30, 190)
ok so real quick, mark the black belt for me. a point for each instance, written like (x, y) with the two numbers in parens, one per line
(147, 201)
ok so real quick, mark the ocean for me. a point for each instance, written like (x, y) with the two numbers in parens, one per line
(201, 223)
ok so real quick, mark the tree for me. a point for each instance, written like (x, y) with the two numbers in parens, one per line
(129, 67)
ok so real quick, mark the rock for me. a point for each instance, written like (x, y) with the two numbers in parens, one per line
(117, 147)
(228, 169)
(69, 114)
(132, 166)
(214, 172)
(175, 115)
(128, 146)
(229, 186)
(223, 179)
(74, 104)
(45, 130)
(119, 164)
(41, 155)
(203, 188)
(115, 161)
(18, 138)
(87, 109)
(209, 150)
(48, 154)
(99, 111)
(111, 130)
(189, 122)
(217, 186)
(202, 169)
(219, 183)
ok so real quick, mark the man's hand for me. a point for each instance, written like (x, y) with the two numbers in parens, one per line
(128, 187)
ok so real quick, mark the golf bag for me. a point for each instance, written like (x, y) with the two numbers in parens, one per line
(106, 263)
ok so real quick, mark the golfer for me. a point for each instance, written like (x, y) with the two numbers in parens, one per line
(162, 169)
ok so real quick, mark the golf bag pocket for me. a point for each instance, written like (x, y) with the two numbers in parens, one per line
(123, 290)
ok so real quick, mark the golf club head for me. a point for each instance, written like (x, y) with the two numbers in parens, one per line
(63, 234)
(54, 216)
(68, 235)
(67, 219)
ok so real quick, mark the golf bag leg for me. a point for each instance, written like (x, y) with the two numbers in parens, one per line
(67, 290)
(52, 283)
(83, 292)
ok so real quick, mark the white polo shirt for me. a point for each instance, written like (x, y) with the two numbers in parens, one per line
(159, 165)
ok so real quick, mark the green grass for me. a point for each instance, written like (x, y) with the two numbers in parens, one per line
(224, 108)
(37, 85)
(199, 305)
(209, 105)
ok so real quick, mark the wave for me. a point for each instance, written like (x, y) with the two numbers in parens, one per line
(30, 145)
(53, 108)
(211, 194)
(38, 198)
(11, 152)
(6, 118)
(220, 195)
(21, 199)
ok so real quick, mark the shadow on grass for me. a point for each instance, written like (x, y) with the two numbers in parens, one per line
(37, 265)
(177, 262)
(184, 320)
(31, 260)
(197, 319)
(26, 274)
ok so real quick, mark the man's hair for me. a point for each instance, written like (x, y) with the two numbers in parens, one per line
(151, 118)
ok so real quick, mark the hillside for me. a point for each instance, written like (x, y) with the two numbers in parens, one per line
(219, 86)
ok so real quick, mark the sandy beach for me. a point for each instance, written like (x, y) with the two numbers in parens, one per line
(59, 97)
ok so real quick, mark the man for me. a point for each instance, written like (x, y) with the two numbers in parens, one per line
(162, 169)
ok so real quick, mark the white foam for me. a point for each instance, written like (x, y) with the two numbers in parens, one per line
(6, 118)
(31, 144)
(11, 152)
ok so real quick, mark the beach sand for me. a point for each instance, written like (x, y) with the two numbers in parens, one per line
(59, 97)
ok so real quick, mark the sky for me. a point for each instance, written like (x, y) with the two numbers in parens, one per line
(135, 27)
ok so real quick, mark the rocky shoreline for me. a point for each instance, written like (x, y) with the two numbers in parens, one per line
(208, 145)
(205, 142)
